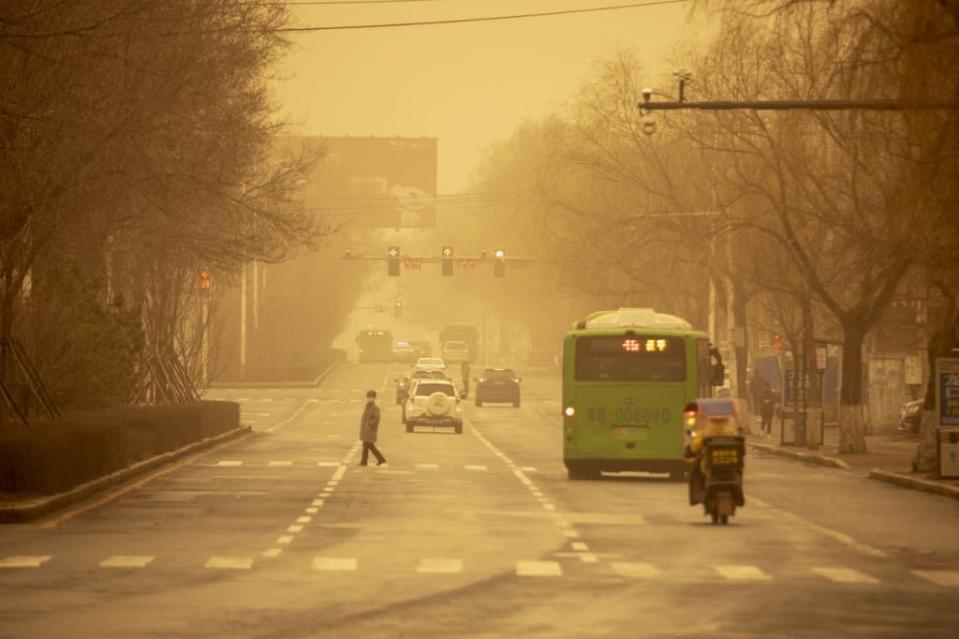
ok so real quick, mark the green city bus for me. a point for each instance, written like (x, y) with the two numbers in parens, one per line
(627, 375)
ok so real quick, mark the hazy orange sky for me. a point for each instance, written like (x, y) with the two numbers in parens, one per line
(466, 84)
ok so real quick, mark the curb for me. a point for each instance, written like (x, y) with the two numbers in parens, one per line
(809, 458)
(916, 483)
(37, 508)
(303, 384)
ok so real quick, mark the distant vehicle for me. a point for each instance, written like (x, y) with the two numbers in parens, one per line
(627, 374)
(498, 385)
(375, 345)
(430, 363)
(404, 382)
(421, 348)
(462, 333)
(403, 351)
(910, 416)
(433, 402)
(455, 352)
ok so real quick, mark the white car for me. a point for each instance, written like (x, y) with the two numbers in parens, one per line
(429, 364)
(455, 351)
(433, 402)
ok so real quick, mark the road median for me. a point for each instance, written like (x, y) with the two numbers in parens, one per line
(916, 483)
(32, 509)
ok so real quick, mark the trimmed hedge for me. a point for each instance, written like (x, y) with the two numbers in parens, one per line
(49, 457)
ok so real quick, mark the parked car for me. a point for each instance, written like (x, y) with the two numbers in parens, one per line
(433, 402)
(498, 385)
(430, 363)
(910, 416)
(455, 352)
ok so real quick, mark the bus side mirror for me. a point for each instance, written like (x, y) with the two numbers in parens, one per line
(717, 374)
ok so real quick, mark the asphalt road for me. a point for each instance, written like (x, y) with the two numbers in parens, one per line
(282, 535)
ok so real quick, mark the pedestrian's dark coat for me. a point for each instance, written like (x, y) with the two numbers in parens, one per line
(370, 422)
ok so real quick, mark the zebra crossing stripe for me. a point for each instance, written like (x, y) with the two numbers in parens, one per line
(230, 563)
(334, 563)
(228, 463)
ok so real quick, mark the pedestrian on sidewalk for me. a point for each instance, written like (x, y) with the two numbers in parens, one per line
(369, 426)
(767, 408)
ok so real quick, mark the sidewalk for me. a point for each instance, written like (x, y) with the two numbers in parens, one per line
(888, 458)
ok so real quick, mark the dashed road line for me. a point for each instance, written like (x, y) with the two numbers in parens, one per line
(538, 569)
(229, 563)
(24, 561)
(296, 414)
(949, 578)
(476, 467)
(276, 464)
(229, 463)
(335, 563)
(127, 561)
(742, 573)
(440, 566)
(844, 575)
(635, 570)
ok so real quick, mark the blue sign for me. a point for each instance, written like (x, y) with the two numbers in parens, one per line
(947, 391)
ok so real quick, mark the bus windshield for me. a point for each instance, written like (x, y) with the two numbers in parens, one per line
(629, 358)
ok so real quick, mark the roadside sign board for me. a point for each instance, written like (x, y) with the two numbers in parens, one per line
(947, 391)
(821, 360)
(913, 366)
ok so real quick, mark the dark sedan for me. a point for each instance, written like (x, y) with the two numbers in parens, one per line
(498, 385)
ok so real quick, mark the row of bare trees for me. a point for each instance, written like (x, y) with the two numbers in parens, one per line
(808, 223)
(135, 150)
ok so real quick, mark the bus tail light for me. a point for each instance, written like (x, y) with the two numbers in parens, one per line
(690, 418)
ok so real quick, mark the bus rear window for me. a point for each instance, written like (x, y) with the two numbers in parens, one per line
(628, 358)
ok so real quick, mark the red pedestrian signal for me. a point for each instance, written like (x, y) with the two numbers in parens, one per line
(778, 342)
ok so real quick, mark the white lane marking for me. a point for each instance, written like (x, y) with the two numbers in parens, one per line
(844, 575)
(272, 553)
(637, 570)
(838, 536)
(477, 467)
(295, 528)
(440, 566)
(939, 577)
(299, 411)
(242, 399)
(427, 466)
(549, 507)
(538, 569)
(572, 534)
(266, 399)
(579, 545)
(338, 475)
(24, 561)
(334, 563)
(328, 464)
(312, 510)
(230, 563)
(742, 573)
(523, 478)
(280, 463)
(529, 469)
(226, 463)
(284, 540)
(319, 502)
(332, 483)
(127, 561)
(304, 519)
(588, 558)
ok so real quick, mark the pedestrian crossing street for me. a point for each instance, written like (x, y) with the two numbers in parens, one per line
(571, 566)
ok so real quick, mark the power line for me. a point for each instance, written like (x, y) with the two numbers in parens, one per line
(515, 16)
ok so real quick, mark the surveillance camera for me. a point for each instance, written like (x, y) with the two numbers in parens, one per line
(647, 94)
(649, 126)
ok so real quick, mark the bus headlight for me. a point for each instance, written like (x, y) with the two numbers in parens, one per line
(570, 411)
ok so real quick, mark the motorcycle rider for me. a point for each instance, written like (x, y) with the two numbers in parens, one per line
(724, 427)
(465, 375)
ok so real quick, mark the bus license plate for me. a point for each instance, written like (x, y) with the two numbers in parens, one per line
(631, 432)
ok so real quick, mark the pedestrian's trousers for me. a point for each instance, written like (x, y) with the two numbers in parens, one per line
(370, 447)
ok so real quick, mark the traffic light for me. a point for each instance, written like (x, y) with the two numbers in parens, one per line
(205, 284)
(398, 308)
(393, 263)
(447, 260)
(499, 263)
(778, 342)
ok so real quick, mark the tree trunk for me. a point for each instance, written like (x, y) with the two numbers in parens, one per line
(852, 427)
